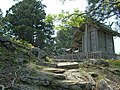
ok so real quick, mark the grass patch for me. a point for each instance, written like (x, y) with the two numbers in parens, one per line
(114, 63)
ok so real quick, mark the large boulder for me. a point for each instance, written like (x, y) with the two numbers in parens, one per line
(103, 85)
(6, 43)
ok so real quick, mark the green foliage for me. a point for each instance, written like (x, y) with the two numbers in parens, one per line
(25, 20)
(63, 40)
(68, 19)
(21, 43)
(50, 19)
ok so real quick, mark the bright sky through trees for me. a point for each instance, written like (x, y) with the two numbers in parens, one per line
(55, 7)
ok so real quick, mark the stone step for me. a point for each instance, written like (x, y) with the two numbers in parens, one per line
(64, 65)
(54, 70)
(68, 65)
(71, 85)
(67, 60)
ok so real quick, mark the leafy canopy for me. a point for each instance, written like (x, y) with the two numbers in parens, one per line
(67, 19)
(25, 20)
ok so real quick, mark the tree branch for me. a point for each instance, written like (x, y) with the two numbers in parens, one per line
(86, 13)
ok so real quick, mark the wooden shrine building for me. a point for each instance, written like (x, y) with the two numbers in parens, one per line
(94, 40)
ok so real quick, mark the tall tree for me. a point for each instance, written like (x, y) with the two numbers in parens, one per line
(49, 47)
(26, 21)
(104, 9)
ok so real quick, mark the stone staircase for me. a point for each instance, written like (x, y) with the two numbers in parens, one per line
(68, 76)
(60, 76)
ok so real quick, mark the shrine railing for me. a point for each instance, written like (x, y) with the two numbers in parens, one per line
(82, 55)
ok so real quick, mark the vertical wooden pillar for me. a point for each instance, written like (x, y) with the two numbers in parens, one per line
(113, 45)
(85, 38)
(88, 38)
(83, 42)
(96, 40)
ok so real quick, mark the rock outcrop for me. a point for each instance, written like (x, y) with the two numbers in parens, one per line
(23, 68)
